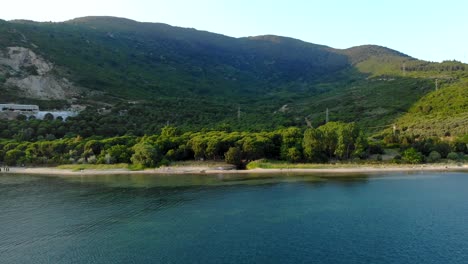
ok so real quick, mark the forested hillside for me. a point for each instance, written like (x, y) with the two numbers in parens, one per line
(134, 78)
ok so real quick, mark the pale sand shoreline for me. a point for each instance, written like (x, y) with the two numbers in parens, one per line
(207, 170)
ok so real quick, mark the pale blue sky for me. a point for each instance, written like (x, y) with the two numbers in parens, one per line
(429, 30)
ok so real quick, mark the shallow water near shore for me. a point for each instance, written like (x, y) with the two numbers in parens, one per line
(378, 218)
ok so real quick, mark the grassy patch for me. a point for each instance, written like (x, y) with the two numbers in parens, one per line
(273, 164)
(78, 167)
(134, 167)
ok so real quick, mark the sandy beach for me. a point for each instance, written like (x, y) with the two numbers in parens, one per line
(211, 170)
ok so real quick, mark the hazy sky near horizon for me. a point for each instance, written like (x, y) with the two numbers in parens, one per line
(428, 30)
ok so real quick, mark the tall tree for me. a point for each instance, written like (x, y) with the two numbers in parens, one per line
(314, 148)
(145, 155)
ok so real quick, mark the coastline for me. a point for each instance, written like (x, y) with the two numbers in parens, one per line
(207, 170)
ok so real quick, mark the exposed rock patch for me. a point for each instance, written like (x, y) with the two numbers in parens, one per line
(31, 75)
(283, 109)
(43, 87)
(19, 58)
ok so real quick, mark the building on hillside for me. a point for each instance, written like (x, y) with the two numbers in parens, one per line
(12, 111)
(18, 108)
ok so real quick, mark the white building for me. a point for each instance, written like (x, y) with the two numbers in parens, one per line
(11, 111)
(18, 108)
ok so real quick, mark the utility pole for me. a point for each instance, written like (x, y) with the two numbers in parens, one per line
(394, 129)
(326, 116)
(404, 68)
(238, 112)
(437, 84)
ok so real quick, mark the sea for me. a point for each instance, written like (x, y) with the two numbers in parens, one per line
(416, 217)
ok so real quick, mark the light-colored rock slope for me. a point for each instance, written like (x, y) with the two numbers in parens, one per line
(32, 76)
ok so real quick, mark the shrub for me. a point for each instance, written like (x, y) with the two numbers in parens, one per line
(13, 157)
(452, 156)
(434, 156)
(459, 146)
(293, 155)
(21, 117)
(92, 159)
(396, 159)
(443, 148)
(164, 162)
(234, 156)
(375, 148)
(412, 156)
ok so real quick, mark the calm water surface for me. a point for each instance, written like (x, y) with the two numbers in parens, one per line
(391, 218)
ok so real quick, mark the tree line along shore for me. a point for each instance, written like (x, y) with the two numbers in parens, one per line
(334, 142)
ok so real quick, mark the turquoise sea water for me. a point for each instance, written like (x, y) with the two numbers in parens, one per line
(389, 218)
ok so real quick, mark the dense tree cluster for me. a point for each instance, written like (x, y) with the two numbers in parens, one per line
(418, 149)
(142, 119)
(429, 66)
(334, 140)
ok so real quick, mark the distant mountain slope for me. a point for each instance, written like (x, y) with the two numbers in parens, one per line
(120, 55)
(365, 52)
(196, 79)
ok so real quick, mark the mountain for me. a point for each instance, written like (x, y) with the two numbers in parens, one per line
(159, 74)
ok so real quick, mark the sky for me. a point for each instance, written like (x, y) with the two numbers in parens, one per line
(428, 30)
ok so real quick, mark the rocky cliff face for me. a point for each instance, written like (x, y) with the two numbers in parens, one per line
(32, 76)
(18, 58)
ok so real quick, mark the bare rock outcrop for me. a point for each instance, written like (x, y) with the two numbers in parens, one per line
(32, 76)
(19, 58)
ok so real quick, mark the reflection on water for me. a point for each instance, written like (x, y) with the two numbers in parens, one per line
(183, 180)
(234, 218)
(6, 179)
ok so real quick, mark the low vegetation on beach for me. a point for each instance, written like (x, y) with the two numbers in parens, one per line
(79, 167)
(275, 164)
